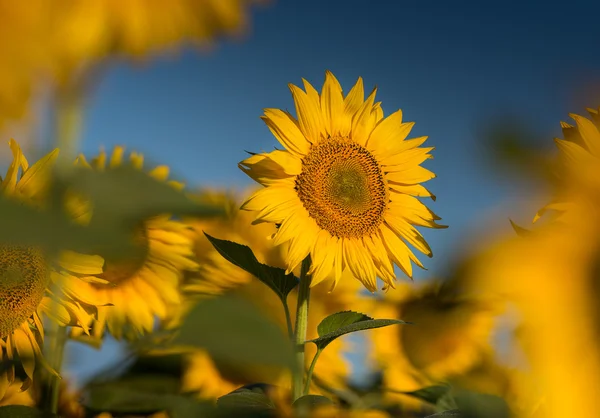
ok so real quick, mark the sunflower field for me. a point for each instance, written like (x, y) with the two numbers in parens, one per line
(156, 261)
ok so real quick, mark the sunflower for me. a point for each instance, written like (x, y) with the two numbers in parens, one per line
(344, 188)
(138, 27)
(140, 288)
(29, 278)
(449, 336)
(216, 275)
(579, 168)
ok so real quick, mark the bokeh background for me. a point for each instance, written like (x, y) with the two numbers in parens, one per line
(455, 68)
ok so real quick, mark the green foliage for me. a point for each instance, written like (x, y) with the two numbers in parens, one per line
(312, 401)
(242, 256)
(121, 198)
(341, 323)
(249, 400)
(143, 394)
(21, 411)
(233, 331)
(430, 394)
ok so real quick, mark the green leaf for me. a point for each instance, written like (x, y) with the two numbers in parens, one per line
(254, 399)
(454, 413)
(312, 401)
(21, 411)
(130, 195)
(242, 256)
(144, 394)
(345, 322)
(430, 394)
(234, 332)
(140, 394)
(446, 402)
(480, 405)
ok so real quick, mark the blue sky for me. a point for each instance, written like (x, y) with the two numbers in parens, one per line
(448, 65)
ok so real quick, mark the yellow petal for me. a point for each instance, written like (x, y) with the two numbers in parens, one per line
(407, 232)
(397, 249)
(355, 98)
(81, 263)
(360, 263)
(309, 115)
(116, 159)
(332, 104)
(589, 133)
(35, 179)
(160, 173)
(287, 132)
(363, 121)
(412, 175)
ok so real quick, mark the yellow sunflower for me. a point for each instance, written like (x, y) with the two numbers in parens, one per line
(550, 276)
(344, 188)
(217, 274)
(28, 276)
(138, 289)
(139, 27)
(448, 338)
(579, 172)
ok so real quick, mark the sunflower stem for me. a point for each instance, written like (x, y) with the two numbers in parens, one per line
(69, 121)
(58, 348)
(288, 319)
(301, 326)
(311, 369)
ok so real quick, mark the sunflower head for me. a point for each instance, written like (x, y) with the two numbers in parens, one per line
(217, 275)
(139, 288)
(449, 336)
(344, 188)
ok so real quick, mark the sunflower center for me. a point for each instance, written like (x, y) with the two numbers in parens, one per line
(343, 189)
(118, 270)
(23, 280)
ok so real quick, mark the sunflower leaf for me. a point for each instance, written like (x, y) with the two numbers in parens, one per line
(22, 411)
(346, 322)
(131, 195)
(246, 399)
(243, 257)
(430, 394)
(234, 332)
(312, 401)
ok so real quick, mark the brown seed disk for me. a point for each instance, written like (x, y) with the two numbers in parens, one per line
(24, 277)
(119, 270)
(343, 188)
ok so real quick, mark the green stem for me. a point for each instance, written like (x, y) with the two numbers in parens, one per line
(311, 369)
(69, 121)
(56, 359)
(301, 326)
(288, 320)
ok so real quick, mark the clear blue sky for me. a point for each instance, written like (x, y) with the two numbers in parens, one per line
(447, 65)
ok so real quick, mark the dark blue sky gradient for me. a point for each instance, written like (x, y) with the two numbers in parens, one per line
(448, 65)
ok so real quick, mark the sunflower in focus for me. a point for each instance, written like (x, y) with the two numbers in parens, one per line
(141, 287)
(29, 278)
(344, 188)
(216, 275)
(449, 336)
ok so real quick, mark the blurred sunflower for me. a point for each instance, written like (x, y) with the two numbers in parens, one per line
(343, 189)
(85, 32)
(139, 288)
(216, 274)
(551, 277)
(579, 169)
(450, 335)
(27, 288)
